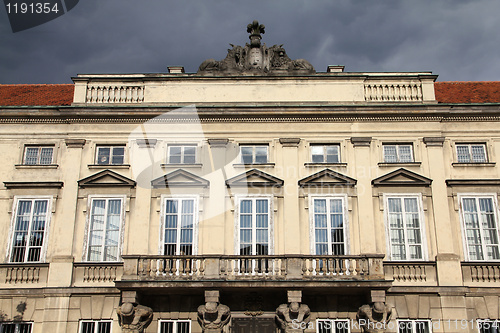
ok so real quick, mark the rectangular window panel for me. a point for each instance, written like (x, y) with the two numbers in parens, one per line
(29, 230)
(95, 326)
(113, 155)
(329, 224)
(325, 153)
(179, 226)
(175, 326)
(332, 326)
(414, 326)
(16, 327)
(254, 226)
(398, 153)
(481, 228)
(38, 155)
(471, 153)
(104, 230)
(254, 154)
(405, 228)
(182, 154)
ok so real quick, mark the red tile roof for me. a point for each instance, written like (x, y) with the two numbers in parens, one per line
(36, 94)
(468, 92)
(62, 94)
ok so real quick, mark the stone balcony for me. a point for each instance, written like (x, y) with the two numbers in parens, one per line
(252, 271)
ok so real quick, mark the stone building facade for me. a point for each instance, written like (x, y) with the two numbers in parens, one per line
(256, 195)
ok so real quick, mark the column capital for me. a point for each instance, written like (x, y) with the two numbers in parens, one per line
(218, 142)
(434, 141)
(361, 141)
(146, 143)
(75, 143)
(290, 142)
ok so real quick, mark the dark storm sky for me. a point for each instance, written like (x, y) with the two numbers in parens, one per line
(457, 39)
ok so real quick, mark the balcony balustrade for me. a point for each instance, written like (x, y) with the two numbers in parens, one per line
(269, 267)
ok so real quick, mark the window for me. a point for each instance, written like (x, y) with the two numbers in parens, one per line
(405, 228)
(398, 153)
(488, 326)
(414, 326)
(179, 226)
(110, 155)
(16, 327)
(182, 154)
(254, 226)
(325, 153)
(38, 155)
(95, 326)
(471, 153)
(175, 326)
(254, 154)
(106, 217)
(29, 230)
(332, 326)
(329, 226)
(480, 227)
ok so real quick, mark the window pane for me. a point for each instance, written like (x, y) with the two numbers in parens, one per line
(317, 154)
(31, 155)
(261, 154)
(405, 154)
(118, 155)
(478, 153)
(332, 154)
(103, 155)
(463, 154)
(46, 155)
(390, 154)
(175, 154)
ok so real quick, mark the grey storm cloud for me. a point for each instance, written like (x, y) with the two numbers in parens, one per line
(456, 39)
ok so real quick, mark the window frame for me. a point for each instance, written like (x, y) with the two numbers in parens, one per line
(40, 147)
(270, 206)
(413, 321)
(183, 146)
(160, 321)
(86, 247)
(253, 146)
(164, 199)
(333, 323)
(312, 225)
(16, 329)
(469, 145)
(477, 196)
(112, 148)
(397, 145)
(43, 251)
(98, 321)
(324, 145)
(422, 221)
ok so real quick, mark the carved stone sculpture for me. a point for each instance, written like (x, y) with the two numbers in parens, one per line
(256, 58)
(134, 318)
(374, 318)
(294, 316)
(213, 316)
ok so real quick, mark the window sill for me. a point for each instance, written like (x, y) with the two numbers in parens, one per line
(254, 165)
(312, 164)
(407, 164)
(37, 166)
(457, 164)
(109, 166)
(181, 165)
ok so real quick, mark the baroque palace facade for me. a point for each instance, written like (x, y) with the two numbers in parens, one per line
(256, 195)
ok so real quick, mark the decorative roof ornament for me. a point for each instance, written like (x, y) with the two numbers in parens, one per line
(256, 58)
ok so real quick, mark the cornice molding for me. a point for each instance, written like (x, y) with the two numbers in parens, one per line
(13, 185)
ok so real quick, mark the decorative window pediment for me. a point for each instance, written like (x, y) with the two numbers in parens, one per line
(402, 177)
(106, 178)
(327, 177)
(179, 178)
(254, 178)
